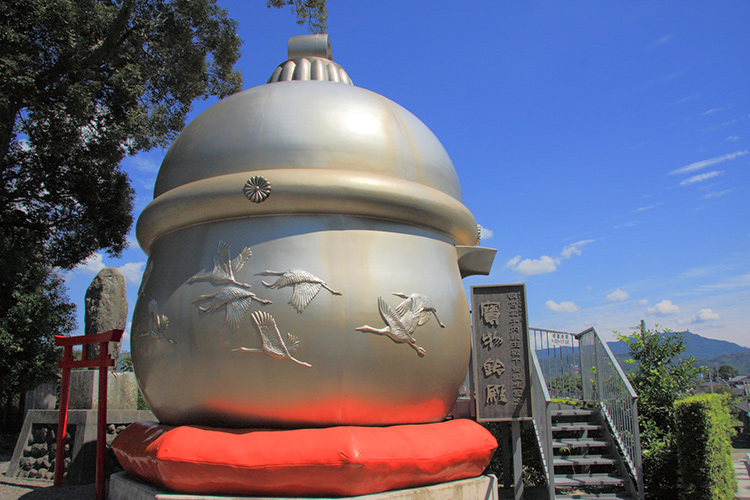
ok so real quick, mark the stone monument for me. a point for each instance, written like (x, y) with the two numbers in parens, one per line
(34, 454)
(306, 244)
(106, 308)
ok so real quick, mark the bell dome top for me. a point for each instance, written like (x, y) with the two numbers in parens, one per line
(309, 132)
(310, 59)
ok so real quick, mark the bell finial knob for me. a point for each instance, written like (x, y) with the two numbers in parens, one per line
(318, 45)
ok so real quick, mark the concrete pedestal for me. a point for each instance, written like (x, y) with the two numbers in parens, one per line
(122, 390)
(125, 487)
(33, 457)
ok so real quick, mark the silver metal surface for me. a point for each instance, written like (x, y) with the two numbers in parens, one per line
(322, 186)
(317, 45)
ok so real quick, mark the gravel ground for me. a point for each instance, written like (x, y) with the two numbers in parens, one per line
(30, 489)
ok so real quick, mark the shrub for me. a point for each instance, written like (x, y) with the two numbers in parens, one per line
(660, 378)
(703, 435)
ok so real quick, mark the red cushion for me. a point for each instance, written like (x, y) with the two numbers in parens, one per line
(334, 461)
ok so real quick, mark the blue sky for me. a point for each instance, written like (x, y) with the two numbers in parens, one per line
(604, 147)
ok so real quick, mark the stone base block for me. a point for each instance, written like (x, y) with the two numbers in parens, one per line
(125, 487)
(34, 454)
(122, 390)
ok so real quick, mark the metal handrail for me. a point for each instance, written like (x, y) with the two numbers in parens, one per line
(543, 422)
(581, 367)
(617, 399)
(559, 362)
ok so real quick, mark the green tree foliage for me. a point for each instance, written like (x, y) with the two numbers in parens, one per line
(724, 372)
(82, 84)
(660, 379)
(312, 12)
(125, 362)
(27, 350)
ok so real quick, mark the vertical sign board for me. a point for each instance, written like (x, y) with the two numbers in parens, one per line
(501, 352)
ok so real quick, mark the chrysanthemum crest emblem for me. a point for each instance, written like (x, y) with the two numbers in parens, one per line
(257, 189)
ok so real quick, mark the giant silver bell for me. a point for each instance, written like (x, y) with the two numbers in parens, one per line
(306, 246)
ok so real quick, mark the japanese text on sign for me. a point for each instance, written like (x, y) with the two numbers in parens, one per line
(501, 352)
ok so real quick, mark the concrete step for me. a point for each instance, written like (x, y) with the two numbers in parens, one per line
(587, 480)
(572, 460)
(575, 413)
(579, 443)
(592, 496)
(575, 426)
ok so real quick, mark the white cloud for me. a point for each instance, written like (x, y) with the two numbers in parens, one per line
(688, 98)
(741, 281)
(664, 308)
(545, 264)
(701, 177)
(705, 315)
(618, 296)
(700, 165)
(566, 307)
(574, 248)
(145, 163)
(485, 233)
(662, 40)
(712, 111)
(92, 265)
(126, 334)
(133, 272)
(716, 194)
(530, 267)
(632, 223)
(132, 241)
(643, 302)
(732, 138)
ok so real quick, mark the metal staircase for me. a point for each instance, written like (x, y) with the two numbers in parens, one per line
(585, 418)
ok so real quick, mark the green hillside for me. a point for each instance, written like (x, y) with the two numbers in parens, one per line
(707, 352)
(739, 360)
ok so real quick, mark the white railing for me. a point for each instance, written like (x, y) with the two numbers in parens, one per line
(618, 401)
(580, 367)
(543, 422)
(559, 361)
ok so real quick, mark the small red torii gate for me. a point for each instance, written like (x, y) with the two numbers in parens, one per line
(103, 362)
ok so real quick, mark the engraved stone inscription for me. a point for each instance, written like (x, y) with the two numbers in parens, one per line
(501, 352)
(490, 312)
(493, 367)
(491, 339)
(495, 394)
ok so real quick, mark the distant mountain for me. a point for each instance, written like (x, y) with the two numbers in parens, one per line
(738, 360)
(695, 345)
(707, 352)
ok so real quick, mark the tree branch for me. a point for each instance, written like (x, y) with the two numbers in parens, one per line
(115, 37)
